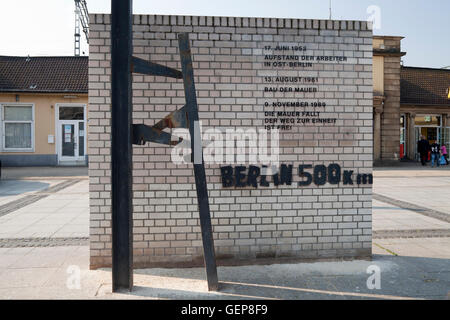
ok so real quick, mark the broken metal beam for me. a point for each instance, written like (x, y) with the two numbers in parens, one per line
(176, 119)
(153, 69)
(143, 133)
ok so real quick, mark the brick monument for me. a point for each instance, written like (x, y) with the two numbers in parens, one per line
(307, 82)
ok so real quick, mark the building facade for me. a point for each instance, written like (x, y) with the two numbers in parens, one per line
(43, 107)
(386, 98)
(424, 108)
(408, 102)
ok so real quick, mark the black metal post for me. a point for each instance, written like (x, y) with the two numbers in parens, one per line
(197, 159)
(121, 145)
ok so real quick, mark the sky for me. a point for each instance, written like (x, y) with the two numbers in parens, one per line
(46, 27)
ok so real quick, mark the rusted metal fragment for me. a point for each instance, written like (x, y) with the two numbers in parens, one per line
(176, 119)
(143, 133)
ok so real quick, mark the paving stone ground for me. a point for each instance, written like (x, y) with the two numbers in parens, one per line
(58, 210)
(44, 251)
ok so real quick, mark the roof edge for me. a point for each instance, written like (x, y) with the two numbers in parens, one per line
(350, 25)
(31, 57)
(424, 104)
(388, 37)
(425, 68)
(41, 91)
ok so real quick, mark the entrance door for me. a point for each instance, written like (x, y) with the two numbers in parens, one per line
(71, 135)
(432, 134)
(72, 140)
(428, 126)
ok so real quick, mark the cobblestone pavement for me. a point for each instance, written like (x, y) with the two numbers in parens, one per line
(43, 242)
(414, 233)
(44, 245)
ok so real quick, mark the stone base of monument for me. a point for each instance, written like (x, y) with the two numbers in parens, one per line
(229, 260)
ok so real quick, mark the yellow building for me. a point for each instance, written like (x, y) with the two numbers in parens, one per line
(43, 108)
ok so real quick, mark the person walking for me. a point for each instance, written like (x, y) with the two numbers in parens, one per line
(435, 154)
(423, 146)
(444, 153)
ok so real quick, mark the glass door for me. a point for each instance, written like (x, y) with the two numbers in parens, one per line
(432, 134)
(446, 138)
(68, 140)
(81, 134)
(71, 131)
(417, 134)
(71, 140)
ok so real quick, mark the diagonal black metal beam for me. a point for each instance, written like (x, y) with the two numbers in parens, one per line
(197, 158)
(121, 148)
(146, 67)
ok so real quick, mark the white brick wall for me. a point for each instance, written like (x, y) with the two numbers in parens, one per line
(274, 222)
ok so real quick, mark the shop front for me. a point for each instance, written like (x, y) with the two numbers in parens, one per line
(424, 109)
(432, 129)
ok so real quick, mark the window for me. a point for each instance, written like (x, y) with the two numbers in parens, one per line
(428, 121)
(17, 124)
(71, 113)
(446, 137)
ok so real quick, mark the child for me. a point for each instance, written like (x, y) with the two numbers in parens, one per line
(435, 154)
(444, 153)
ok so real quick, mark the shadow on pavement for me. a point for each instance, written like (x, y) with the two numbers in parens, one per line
(400, 278)
(17, 187)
